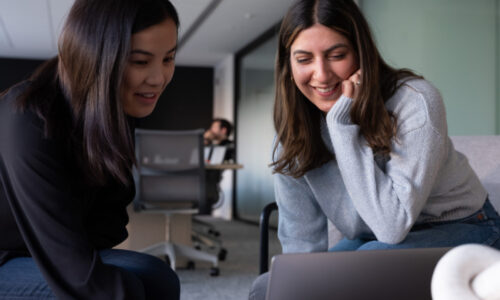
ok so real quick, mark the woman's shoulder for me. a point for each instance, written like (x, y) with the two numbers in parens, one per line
(12, 110)
(36, 123)
(11, 95)
(417, 89)
(415, 103)
(419, 86)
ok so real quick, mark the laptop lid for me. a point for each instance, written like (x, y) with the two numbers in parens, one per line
(354, 275)
(215, 154)
(207, 151)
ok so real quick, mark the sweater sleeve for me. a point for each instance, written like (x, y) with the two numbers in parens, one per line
(389, 201)
(302, 225)
(36, 182)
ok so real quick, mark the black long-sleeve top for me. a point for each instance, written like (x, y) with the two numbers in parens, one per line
(49, 213)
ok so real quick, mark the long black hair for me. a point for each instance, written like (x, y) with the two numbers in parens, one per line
(87, 74)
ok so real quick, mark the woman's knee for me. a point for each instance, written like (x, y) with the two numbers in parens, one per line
(259, 288)
(156, 275)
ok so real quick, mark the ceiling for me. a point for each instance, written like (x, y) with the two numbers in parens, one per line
(210, 29)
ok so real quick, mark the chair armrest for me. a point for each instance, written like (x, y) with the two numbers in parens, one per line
(264, 236)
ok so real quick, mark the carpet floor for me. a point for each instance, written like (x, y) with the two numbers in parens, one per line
(237, 271)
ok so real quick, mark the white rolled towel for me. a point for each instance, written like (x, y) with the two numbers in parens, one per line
(467, 272)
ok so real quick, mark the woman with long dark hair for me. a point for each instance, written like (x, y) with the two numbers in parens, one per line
(66, 156)
(364, 145)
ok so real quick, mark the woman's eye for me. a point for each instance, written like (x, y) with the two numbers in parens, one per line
(140, 62)
(303, 60)
(337, 56)
(169, 59)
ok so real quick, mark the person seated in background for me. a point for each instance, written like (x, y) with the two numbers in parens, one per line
(218, 133)
(67, 153)
(364, 145)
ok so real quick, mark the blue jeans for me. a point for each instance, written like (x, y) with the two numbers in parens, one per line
(20, 278)
(483, 227)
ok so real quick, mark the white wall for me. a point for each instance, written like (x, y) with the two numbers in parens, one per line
(224, 108)
(224, 89)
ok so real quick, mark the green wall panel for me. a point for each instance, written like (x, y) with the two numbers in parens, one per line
(452, 43)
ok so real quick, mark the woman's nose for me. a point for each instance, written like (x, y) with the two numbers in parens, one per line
(156, 76)
(321, 70)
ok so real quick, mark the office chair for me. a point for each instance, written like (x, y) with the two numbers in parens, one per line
(170, 179)
(206, 235)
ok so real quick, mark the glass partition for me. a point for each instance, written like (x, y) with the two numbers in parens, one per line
(255, 130)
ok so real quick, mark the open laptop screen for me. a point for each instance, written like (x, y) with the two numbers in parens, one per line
(215, 154)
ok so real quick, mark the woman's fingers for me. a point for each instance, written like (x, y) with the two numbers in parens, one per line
(351, 86)
(356, 77)
(348, 88)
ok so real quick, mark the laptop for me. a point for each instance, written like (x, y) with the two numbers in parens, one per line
(215, 154)
(403, 274)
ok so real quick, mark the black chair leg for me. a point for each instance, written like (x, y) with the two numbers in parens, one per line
(264, 236)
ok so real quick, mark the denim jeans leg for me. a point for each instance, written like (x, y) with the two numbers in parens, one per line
(21, 279)
(482, 227)
(346, 244)
(259, 287)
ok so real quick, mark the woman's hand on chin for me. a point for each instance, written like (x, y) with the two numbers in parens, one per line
(352, 85)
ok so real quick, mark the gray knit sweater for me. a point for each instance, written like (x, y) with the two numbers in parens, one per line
(424, 179)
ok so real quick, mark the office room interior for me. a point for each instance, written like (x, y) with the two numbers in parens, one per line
(225, 69)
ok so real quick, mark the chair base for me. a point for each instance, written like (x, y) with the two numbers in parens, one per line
(205, 235)
(205, 238)
(172, 250)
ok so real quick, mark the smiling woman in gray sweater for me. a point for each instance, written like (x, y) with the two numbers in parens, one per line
(364, 145)
(370, 198)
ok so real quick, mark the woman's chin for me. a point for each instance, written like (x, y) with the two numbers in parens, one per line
(326, 107)
(139, 113)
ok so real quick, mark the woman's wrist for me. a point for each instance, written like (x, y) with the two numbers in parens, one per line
(340, 112)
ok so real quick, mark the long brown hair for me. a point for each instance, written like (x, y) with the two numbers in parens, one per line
(297, 120)
(93, 52)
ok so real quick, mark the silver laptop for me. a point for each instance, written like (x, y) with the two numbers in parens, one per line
(215, 154)
(379, 274)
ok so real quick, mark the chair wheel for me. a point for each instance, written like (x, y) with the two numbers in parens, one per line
(222, 254)
(167, 260)
(213, 232)
(214, 271)
(190, 265)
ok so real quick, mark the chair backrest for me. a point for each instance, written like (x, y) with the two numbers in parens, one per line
(483, 153)
(170, 168)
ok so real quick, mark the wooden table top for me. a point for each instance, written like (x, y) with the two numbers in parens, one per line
(229, 166)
